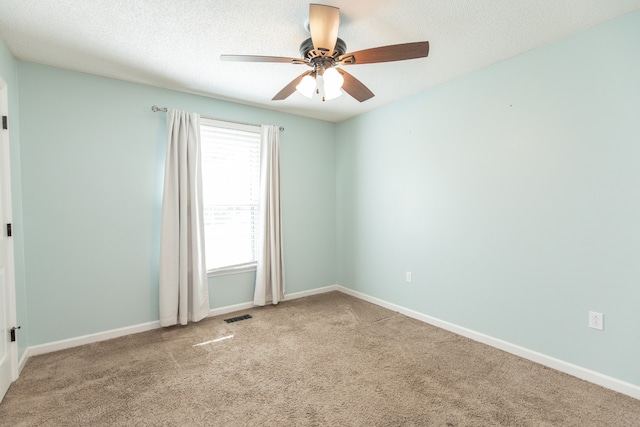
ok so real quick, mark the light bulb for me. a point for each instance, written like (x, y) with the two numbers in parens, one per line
(307, 86)
(333, 80)
(331, 92)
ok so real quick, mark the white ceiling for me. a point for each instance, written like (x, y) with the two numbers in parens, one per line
(177, 44)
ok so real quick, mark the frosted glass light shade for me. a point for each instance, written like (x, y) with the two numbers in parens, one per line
(333, 80)
(331, 92)
(307, 86)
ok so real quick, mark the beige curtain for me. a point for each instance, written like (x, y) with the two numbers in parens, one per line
(184, 291)
(270, 287)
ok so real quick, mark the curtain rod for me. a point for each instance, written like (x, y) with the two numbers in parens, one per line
(156, 109)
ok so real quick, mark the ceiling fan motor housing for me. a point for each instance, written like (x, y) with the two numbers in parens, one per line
(307, 51)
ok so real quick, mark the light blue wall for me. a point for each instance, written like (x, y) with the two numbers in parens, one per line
(8, 72)
(92, 164)
(513, 196)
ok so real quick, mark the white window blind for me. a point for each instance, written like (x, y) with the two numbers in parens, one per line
(231, 186)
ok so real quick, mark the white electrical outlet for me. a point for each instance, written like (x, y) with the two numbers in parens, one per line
(596, 320)
(408, 276)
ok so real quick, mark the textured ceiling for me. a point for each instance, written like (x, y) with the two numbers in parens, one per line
(176, 44)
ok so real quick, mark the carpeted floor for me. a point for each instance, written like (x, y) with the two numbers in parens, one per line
(325, 360)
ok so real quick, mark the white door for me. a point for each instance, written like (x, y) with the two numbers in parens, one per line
(8, 349)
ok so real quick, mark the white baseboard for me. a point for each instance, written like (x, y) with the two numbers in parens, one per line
(230, 308)
(288, 297)
(88, 339)
(23, 360)
(114, 333)
(143, 327)
(302, 294)
(551, 362)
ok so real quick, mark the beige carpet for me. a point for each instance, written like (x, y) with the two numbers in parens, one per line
(325, 360)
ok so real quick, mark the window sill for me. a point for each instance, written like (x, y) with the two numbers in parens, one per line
(232, 269)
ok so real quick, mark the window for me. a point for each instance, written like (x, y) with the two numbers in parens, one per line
(231, 193)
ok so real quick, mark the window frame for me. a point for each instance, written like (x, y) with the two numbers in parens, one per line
(257, 129)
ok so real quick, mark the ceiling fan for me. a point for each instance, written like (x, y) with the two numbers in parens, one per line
(324, 52)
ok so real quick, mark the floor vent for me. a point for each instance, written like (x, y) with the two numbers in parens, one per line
(235, 319)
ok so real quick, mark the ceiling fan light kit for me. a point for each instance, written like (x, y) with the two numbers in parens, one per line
(307, 86)
(326, 82)
(324, 52)
(333, 82)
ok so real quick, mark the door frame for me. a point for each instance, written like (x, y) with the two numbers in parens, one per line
(5, 193)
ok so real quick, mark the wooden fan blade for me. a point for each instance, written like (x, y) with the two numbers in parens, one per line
(257, 58)
(355, 87)
(396, 52)
(323, 26)
(290, 88)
